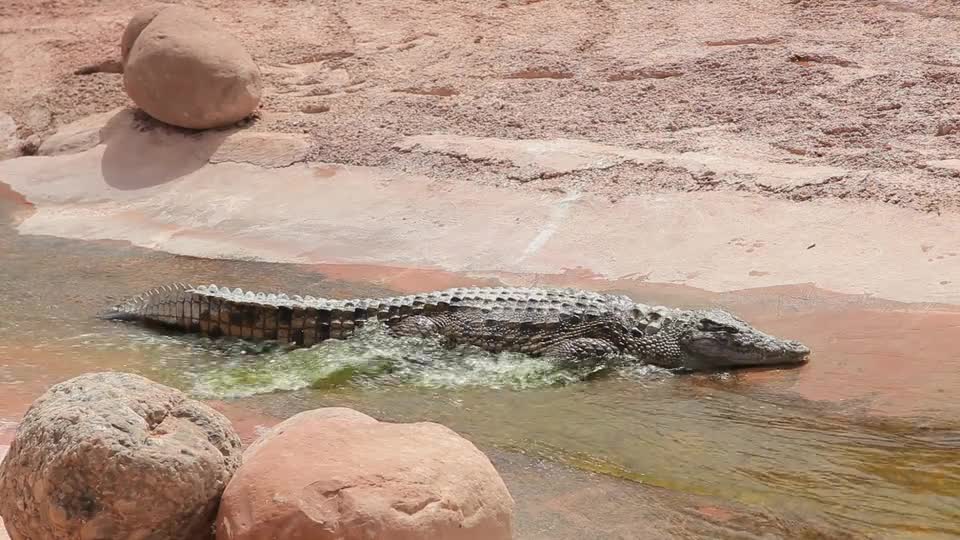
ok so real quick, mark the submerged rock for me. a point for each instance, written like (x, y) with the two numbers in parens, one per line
(336, 473)
(183, 69)
(116, 456)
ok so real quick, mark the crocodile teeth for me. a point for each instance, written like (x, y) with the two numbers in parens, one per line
(261, 297)
(271, 297)
(298, 298)
(201, 289)
(238, 291)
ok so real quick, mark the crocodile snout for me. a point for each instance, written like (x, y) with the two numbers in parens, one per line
(795, 351)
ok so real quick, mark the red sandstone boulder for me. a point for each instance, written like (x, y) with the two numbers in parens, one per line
(135, 25)
(183, 69)
(116, 456)
(338, 474)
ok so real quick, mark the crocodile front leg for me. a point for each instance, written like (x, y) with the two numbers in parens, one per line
(581, 352)
(417, 326)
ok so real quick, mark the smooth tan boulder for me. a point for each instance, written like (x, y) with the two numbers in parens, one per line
(115, 456)
(181, 68)
(137, 23)
(339, 474)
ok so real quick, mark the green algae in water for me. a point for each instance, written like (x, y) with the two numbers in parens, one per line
(339, 377)
(372, 358)
(233, 368)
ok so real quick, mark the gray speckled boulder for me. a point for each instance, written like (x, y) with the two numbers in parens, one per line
(116, 456)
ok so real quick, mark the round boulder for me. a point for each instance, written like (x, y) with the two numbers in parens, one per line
(183, 69)
(336, 473)
(135, 25)
(116, 456)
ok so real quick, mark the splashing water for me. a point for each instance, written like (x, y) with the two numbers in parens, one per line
(373, 358)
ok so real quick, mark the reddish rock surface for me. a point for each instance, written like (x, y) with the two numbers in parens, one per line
(337, 473)
(618, 125)
(78, 136)
(158, 190)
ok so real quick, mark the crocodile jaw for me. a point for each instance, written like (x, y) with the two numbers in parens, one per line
(719, 350)
(715, 339)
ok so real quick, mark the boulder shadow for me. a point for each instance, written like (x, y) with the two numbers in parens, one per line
(142, 152)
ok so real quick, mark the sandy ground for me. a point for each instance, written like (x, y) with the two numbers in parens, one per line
(864, 90)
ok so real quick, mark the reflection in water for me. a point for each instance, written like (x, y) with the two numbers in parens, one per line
(709, 435)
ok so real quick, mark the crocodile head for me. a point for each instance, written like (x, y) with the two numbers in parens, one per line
(715, 339)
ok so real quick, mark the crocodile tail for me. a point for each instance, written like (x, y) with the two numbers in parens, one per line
(140, 307)
(216, 312)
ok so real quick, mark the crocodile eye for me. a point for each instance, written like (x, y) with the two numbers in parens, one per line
(636, 332)
(709, 325)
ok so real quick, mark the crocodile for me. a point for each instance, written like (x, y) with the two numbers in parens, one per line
(567, 325)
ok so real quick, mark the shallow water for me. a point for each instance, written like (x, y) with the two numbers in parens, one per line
(844, 464)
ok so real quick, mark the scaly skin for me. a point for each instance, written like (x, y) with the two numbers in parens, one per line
(570, 325)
